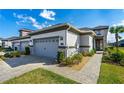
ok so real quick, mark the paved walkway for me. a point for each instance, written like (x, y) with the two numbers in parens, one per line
(17, 66)
(87, 75)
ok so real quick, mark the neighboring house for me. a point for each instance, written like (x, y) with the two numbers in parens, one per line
(0, 42)
(121, 43)
(22, 41)
(62, 37)
(6, 43)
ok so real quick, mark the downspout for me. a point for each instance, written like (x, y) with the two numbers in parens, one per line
(66, 34)
(66, 39)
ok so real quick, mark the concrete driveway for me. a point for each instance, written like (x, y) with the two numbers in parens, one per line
(2, 53)
(17, 66)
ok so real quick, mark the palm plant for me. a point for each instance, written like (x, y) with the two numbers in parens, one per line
(116, 30)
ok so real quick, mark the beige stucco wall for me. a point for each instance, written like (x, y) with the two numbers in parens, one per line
(73, 41)
(85, 41)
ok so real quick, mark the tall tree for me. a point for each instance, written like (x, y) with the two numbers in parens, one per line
(116, 30)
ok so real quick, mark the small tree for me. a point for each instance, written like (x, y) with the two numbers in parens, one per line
(116, 30)
(60, 56)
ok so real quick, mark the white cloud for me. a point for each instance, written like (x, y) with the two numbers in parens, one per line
(120, 23)
(23, 19)
(111, 37)
(50, 15)
(18, 23)
(50, 25)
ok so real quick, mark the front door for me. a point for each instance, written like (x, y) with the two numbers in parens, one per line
(99, 44)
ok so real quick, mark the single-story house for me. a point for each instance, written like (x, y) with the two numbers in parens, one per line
(64, 37)
(6, 43)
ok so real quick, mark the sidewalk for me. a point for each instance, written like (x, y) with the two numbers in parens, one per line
(87, 75)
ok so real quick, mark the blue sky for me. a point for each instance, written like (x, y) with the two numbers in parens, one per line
(12, 20)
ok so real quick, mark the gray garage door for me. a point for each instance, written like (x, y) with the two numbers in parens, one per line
(46, 47)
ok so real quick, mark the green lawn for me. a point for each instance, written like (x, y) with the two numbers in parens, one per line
(40, 76)
(111, 74)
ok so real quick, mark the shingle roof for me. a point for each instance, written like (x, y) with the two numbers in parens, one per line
(24, 37)
(94, 28)
(10, 38)
(85, 28)
(1, 38)
(100, 27)
(61, 26)
(55, 27)
(25, 29)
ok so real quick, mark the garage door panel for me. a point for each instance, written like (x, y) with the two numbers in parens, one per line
(46, 47)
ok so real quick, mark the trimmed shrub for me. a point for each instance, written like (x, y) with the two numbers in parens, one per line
(75, 59)
(94, 51)
(1, 49)
(91, 53)
(106, 59)
(111, 55)
(8, 55)
(111, 47)
(60, 56)
(27, 50)
(2, 57)
(116, 57)
(16, 53)
(122, 62)
(106, 49)
(67, 61)
(86, 53)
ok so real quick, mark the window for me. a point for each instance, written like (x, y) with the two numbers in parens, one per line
(61, 38)
(98, 33)
(62, 44)
(53, 40)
